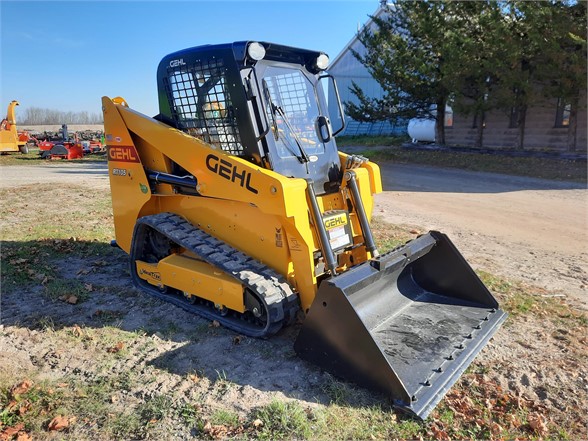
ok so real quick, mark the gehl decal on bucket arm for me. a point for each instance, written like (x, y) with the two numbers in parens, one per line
(230, 172)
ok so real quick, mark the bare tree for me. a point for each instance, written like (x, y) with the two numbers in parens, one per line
(41, 116)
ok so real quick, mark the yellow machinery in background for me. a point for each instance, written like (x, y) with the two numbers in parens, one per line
(9, 137)
(234, 203)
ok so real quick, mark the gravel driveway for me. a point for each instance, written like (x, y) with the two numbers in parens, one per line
(529, 229)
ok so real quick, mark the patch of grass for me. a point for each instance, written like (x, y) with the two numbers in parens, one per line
(43, 323)
(31, 407)
(155, 408)
(17, 158)
(222, 383)
(199, 331)
(519, 298)
(59, 289)
(190, 415)
(37, 230)
(34, 158)
(372, 422)
(32, 262)
(110, 336)
(337, 391)
(36, 213)
(169, 329)
(284, 420)
(88, 406)
(108, 316)
(371, 141)
(125, 425)
(544, 168)
(389, 236)
(225, 418)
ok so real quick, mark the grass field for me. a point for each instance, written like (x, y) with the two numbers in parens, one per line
(33, 158)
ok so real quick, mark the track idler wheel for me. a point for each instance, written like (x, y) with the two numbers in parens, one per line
(254, 306)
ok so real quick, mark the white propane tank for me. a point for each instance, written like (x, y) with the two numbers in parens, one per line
(421, 129)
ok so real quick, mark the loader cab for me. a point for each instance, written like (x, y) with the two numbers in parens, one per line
(259, 101)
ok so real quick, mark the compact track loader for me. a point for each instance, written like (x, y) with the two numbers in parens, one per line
(234, 203)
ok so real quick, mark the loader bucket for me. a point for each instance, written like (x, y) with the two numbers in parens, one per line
(407, 324)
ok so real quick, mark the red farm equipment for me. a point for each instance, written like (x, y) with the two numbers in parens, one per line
(65, 148)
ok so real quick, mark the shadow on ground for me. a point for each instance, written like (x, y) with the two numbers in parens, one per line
(99, 276)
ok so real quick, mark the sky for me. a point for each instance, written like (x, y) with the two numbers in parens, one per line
(67, 55)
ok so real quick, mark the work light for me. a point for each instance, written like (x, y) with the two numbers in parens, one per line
(322, 61)
(255, 51)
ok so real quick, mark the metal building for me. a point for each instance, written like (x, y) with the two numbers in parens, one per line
(346, 68)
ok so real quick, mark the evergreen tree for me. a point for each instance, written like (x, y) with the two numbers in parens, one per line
(481, 55)
(474, 65)
(406, 53)
(564, 75)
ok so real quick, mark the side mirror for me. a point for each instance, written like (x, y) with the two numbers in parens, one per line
(335, 108)
(323, 128)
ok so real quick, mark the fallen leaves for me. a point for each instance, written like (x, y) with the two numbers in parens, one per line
(77, 331)
(23, 436)
(215, 431)
(116, 348)
(194, 377)
(538, 424)
(24, 408)
(484, 405)
(220, 431)
(17, 430)
(21, 388)
(439, 433)
(69, 298)
(60, 423)
(26, 399)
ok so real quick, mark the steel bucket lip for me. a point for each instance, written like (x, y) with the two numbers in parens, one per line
(428, 396)
(344, 293)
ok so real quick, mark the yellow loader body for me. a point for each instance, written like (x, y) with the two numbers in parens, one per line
(271, 225)
(234, 203)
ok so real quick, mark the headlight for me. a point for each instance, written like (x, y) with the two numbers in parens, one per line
(255, 51)
(322, 61)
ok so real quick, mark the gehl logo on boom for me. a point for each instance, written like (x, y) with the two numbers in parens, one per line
(230, 172)
(122, 153)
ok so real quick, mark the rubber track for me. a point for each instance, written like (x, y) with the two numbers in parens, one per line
(280, 301)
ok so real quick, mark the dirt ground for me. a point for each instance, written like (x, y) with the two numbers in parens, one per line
(523, 229)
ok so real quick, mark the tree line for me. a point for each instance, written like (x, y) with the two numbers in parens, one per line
(478, 56)
(41, 116)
